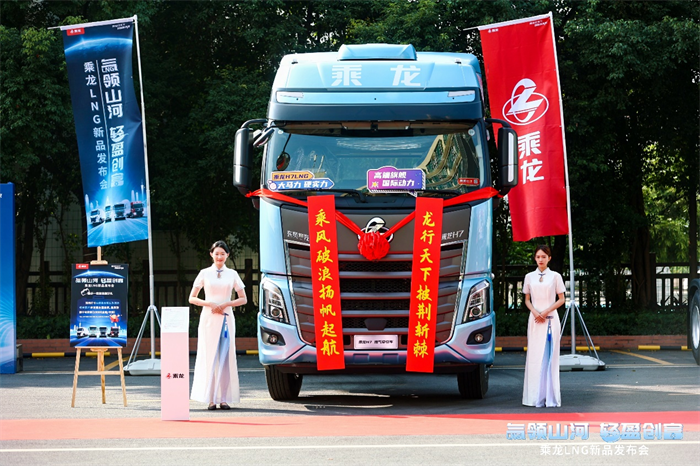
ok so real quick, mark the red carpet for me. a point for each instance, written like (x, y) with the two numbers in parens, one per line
(313, 425)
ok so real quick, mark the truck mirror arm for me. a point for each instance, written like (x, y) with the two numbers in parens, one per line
(503, 123)
(257, 121)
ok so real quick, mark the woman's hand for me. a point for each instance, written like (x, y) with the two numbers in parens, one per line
(539, 318)
(217, 308)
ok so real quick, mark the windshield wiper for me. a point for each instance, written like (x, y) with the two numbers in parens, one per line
(439, 191)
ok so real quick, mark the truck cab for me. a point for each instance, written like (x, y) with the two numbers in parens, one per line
(96, 217)
(136, 210)
(334, 121)
(120, 211)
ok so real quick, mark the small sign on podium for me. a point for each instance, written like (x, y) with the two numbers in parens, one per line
(175, 364)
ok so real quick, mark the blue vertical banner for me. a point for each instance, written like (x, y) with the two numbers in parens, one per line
(109, 129)
(8, 297)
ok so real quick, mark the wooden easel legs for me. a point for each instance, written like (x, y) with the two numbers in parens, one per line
(100, 371)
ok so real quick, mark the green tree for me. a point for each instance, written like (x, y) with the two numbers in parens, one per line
(38, 141)
(630, 83)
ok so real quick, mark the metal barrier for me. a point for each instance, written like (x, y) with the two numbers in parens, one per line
(173, 288)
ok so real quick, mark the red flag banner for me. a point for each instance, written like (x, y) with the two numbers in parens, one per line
(325, 283)
(425, 278)
(523, 84)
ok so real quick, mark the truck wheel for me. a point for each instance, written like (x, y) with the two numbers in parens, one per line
(282, 386)
(694, 325)
(474, 384)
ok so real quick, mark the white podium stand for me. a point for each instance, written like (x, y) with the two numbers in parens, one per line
(175, 364)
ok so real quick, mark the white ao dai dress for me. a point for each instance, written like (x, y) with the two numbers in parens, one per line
(215, 368)
(541, 386)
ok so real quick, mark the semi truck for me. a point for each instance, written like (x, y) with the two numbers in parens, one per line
(96, 217)
(335, 120)
(136, 210)
(120, 210)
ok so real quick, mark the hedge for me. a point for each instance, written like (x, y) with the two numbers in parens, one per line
(662, 321)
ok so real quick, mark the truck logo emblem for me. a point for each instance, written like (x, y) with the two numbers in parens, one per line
(377, 224)
(519, 109)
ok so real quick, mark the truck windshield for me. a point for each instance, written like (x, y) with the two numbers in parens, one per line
(451, 160)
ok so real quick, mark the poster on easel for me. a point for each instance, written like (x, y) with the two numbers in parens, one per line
(99, 305)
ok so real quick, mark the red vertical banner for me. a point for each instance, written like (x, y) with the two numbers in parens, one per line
(523, 86)
(425, 282)
(325, 281)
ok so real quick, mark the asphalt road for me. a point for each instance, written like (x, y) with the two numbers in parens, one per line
(355, 419)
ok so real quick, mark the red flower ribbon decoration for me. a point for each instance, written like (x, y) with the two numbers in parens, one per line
(374, 245)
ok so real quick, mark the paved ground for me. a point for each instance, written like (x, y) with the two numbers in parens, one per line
(378, 419)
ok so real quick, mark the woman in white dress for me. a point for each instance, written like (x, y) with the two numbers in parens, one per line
(544, 294)
(215, 369)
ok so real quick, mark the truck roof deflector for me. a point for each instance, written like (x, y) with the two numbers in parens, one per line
(377, 52)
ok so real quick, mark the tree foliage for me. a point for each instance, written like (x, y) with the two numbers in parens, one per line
(629, 74)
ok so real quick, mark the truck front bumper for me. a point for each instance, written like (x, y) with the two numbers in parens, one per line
(451, 356)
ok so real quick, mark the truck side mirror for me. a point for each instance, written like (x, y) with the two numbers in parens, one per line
(507, 159)
(241, 161)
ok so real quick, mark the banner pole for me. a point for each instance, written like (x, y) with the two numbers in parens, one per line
(575, 360)
(572, 279)
(151, 308)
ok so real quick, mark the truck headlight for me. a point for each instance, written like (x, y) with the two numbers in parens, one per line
(478, 303)
(273, 303)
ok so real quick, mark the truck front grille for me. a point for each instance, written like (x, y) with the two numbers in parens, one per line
(375, 296)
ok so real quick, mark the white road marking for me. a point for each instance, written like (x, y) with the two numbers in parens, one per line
(353, 447)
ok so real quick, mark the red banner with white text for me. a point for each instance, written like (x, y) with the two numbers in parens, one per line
(523, 86)
(425, 282)
(325, 283)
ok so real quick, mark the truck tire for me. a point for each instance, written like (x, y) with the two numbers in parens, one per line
(474, 384)
(694, 324)
(282, 386)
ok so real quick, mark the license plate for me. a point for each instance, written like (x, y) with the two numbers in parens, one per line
(376, 342)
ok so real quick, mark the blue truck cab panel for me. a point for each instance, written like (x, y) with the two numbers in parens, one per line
(335, 116)
(354, 84)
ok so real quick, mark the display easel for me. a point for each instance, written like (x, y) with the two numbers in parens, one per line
(100, 351)
(100, 369)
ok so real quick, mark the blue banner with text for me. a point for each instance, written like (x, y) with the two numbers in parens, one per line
(108, 126)
(8, 296)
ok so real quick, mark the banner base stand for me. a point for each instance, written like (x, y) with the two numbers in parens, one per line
(579, 362)
(146, 366)
(143, 367)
